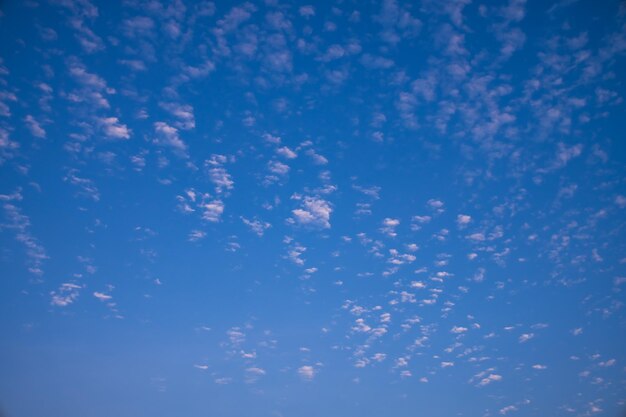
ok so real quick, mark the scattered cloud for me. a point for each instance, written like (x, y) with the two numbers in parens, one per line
(307, 372)
(314, 212)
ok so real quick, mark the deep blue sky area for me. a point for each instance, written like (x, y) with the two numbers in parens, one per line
(312, 209)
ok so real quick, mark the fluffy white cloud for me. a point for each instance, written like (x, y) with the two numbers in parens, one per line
(389, 227)
(489, 379)
(463, 219)
(307, 372)
(295, 254)
(278, 168)
(458, 329)
(314, 212)
(287, 153)
(212, 210)
(167, 135)
(114, 129)
(436, 205)
(218, 174)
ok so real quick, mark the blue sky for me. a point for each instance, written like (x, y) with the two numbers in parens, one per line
(348, 208)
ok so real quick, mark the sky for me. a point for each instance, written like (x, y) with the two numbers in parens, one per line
(304, 209)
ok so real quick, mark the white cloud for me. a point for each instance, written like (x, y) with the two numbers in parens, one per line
(508, 409)
(287, 153)
(608, 363)
(317, 158)
(401, 362)
(315, 212)
(418, 221)
(196, 235)
(257, 226)
(389, 227)
(400, 258)
(458, 329)
(114, 129)
(21, 224)
(307, 372)
(271, 138)
(256, 371)
(6, 144)
(278, 168)
(223, 381)
(184, 114)
(436, 205)
(236, 336)
(489, 379)
(361, 326)
(102, 296)
(253, 374)
(80, 74)
(34, 127)
(221, 178)
(526, 337)
(212, 210)
(65, 295)
(167, 135)
(295, 254)
(463, 219)
(218, 174)
(412, 247)
(92, 87)
(477, 237)
(372, 192)
(564, 154)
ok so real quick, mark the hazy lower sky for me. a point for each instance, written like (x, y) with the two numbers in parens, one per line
(327, 209)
